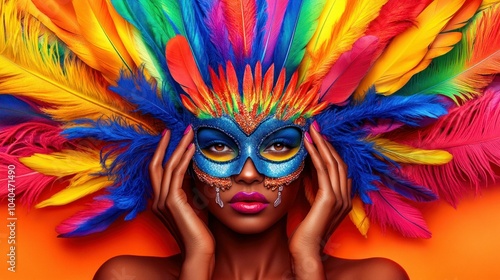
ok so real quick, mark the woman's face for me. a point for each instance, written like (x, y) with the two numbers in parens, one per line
(249, 167)
(248, 204)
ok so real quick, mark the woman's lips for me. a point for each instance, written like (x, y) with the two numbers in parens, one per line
(248, 203)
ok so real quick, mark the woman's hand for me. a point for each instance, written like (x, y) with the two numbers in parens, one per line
(171, 206)
(331, 204)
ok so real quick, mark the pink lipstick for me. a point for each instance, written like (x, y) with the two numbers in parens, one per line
(248, 203)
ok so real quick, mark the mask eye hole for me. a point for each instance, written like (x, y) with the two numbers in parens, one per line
(282, 144)
(216, 145)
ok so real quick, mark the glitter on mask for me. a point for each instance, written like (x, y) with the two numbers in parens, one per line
(274, 183)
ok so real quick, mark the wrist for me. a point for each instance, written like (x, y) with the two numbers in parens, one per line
(308, 266)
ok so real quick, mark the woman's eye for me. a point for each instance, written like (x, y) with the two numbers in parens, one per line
(277, 147)
(220, 148)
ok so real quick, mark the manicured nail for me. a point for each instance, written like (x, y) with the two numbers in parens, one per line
(316, 126)
(189, 146)
(188, 128)
(308, 137)
(163, 133)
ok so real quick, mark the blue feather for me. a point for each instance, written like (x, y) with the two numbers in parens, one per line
(96, 224)
(299, 24)
(15, 111)
(341, 125)
(258, 43)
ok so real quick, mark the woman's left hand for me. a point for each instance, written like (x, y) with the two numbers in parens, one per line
(331, 204)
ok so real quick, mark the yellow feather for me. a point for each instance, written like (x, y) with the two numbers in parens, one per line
(82, 165)
(329, 17)
(442, 45)
(351, 26)
(488, 3)
(146, 58)
(99, 30)
(409, 48)
(126, 32)
(407, 154)
(30, 68)
(82, 187)
(86, 185)
(358, 216)
(65, 163)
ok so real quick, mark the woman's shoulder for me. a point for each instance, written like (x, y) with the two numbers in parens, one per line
(366, 269)
(139, 267)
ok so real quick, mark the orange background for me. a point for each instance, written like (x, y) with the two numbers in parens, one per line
(465, 243)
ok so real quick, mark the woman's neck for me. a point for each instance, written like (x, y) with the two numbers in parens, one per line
(257, 256)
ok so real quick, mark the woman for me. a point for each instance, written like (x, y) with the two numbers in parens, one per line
(249, 240)
(253, 82)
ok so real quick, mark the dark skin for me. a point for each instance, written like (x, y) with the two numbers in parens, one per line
(241, 246)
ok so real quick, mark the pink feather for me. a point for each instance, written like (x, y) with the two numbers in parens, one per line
(381, 127)
(28, 184)
(241, 18)
(470, 133)
(345, 75)
(24, 140)
(276, 11)
(387, 208)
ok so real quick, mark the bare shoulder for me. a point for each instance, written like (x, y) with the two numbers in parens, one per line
(139, 267)
(365, 269)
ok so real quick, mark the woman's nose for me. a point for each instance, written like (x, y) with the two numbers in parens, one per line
(249, 174)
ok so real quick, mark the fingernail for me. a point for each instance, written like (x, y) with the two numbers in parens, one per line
(316, 126)
(163, 133)
(308, 137)
(188, 128)
(189, 146)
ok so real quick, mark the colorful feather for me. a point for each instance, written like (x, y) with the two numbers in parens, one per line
(30, 69)
(275, 11)
(470, 67)
(299, 24)
(470, 133)
(241, 17)
(345, 75)
(388, 209)
(409, 48)
(351, 26)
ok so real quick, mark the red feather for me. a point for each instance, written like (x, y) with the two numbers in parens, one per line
(182, 66)
(345, 75)
(394, 18)
(388, 209)
(241, 18)
(470, 133)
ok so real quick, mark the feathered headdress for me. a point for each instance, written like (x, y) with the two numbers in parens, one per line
(404, 90)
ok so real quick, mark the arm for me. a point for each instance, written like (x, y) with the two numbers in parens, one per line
(171, 206)
(332, 203)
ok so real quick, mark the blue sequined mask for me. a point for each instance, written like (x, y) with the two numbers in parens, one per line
(275, 147)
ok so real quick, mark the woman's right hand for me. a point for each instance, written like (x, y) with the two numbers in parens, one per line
(170, 201)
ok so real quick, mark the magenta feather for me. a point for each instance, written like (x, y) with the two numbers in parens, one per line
(470, 133)
(218, 31)
(381, 127)
(346, 74)
(241, 18)
(73, 223)
(24, 140)
(388, 209)
(29, 184)
(275, 11)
